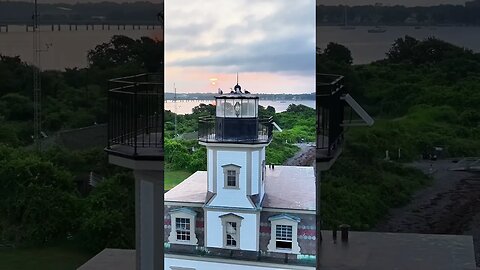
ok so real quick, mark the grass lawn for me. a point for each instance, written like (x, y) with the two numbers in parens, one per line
(60, 257)
(173, 178)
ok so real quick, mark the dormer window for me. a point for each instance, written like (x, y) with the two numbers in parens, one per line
(183, 226)
(284, 229)
(231, 173)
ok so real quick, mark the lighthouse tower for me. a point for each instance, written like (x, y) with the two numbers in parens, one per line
(235, 140)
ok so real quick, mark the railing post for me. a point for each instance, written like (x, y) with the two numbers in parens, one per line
(135, 118)
(109, 110)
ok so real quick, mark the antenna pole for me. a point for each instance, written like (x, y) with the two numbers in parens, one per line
(175, 107)
(237, 77)
(36, 79)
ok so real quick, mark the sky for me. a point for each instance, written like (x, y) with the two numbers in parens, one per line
(270, 43)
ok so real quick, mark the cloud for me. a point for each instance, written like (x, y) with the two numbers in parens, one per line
(242, 35)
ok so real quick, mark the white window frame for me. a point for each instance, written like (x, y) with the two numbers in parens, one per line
(185, 231)
(182, 213)
(283, 220)
(238, 221)
(231, 168)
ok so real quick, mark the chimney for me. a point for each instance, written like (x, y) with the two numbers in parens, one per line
(344, 229)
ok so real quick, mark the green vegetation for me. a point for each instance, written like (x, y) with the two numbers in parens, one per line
(424, 94)
(38, 201)
(44, 199)
(173, 178)
(73, 98)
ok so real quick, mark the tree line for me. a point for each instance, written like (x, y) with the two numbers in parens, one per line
(74, 98)
(400, 15)
(424, 94)
(141, 12)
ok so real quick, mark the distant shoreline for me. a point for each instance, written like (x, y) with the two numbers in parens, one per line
(211, 96)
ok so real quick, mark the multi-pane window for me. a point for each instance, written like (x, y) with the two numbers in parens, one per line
(232, 236)
(182, 230)
(284, 236)
(231, 174)
(182, 226)
(231, 178)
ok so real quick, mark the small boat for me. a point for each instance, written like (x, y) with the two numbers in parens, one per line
(377, 29)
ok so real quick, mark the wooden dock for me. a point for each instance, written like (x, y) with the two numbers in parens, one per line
(6, 27)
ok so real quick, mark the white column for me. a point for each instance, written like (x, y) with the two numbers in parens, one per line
(149, 219)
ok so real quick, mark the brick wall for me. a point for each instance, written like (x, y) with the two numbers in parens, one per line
(199, 226)
(306, 229)
(306, 232)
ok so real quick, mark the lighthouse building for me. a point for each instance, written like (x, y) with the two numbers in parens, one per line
(241, 213)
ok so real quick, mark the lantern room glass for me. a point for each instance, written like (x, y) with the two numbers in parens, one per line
(220, 107)
(248, 107)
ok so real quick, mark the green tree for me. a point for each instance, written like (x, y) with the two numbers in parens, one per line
(204, 110)
(337, 53)
(16, 107)
(109, 216)
(121, 50)
(38, 202)
(402, 49)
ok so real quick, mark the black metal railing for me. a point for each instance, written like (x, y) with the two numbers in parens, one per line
(330, 114)
(135, 106)
(328, 84)
(211, 129)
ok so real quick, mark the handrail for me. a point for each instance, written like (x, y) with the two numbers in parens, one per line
(135, 106)
(258, 131)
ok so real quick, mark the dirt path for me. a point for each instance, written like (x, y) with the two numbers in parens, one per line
(304, 157)
(451, 205)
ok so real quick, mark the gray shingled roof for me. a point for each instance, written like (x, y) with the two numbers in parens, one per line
(286, 187)
(290, 187)
(193, 189)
